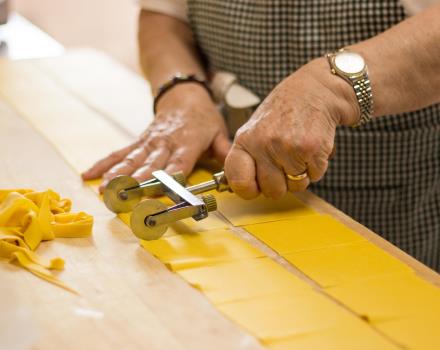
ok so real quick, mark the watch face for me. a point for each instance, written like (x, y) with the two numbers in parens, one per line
(349, 62)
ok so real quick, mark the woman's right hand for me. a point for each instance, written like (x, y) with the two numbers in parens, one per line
(187, 124)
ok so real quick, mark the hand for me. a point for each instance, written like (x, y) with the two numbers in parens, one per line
(187, 125)
(291, 132)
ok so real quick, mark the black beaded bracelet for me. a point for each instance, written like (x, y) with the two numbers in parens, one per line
(176, 80)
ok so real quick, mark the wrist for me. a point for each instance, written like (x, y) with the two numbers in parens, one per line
(342, 103)
(179, 79)
(182, 95)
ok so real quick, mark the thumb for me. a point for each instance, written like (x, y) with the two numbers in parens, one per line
(220, 147)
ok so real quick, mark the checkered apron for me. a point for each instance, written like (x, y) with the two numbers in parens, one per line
(386, 174)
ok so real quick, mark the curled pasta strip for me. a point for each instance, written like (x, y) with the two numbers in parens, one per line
(27, 218)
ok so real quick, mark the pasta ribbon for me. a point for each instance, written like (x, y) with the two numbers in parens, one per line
(28, 218)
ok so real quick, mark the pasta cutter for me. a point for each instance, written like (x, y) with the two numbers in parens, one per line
(123, 192)
(150, 218)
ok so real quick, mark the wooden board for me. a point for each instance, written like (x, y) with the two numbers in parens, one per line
(128, 298)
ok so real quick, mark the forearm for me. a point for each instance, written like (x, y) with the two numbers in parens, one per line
(404, 64)
(181, 130)
(166, 47)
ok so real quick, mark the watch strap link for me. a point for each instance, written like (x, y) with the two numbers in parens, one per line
(364, 95)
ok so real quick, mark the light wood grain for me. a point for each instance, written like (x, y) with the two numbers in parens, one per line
(128, 298)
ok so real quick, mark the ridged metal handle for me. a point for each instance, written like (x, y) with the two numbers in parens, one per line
(210, 202)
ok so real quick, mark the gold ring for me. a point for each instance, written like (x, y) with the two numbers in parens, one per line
(299, 177)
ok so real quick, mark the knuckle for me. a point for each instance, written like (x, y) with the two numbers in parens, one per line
(316, 178)
(239, 138)
(145, 135)
(142, 175)
(115, 169)
(142, 170)
(319, 172)
(240, 185)
(115, 155)
(307, 146)
(243, 188)
(182, 162)
(178, 160)
(129, 161)
(279, 147)
(242, 135)
(153, 141)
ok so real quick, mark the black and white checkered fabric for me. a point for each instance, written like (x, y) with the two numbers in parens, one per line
(386, 174)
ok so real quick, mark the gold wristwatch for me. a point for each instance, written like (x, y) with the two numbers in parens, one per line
(351, 67)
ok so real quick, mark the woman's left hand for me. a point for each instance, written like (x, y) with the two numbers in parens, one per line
(291, 132)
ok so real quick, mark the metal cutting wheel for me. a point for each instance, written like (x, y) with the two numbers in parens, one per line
(145, 209)
(117, 199)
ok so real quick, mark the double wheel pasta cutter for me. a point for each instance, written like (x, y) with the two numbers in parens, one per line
(150, 217)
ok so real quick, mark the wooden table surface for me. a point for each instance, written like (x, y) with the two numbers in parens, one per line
(128, 298)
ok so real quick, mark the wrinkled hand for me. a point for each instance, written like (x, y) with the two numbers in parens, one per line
(291, 132)
(187, 125)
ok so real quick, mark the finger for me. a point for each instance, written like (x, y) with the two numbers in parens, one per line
(221, 147)
(271, 180)
(241, 173)
(156, 160)
(316, 169)
(296, 168)
(128, 165)
(183, 159)
(103, 165)
(298, 185)
(131, 162)
(333, 153)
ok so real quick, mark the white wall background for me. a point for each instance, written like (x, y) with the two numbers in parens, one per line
(108, 25)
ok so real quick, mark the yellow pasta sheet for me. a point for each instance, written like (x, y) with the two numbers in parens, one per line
(184, 251)
(415, 332)
(353, 336)
(244, 279)
(384, 298)
(341, 264)
(303, 233)
(241, 212)
(254, 291)
(287, 315)
(379, 288)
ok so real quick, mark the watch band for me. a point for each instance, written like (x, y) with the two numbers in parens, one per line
(176, 80)
(364, 96)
